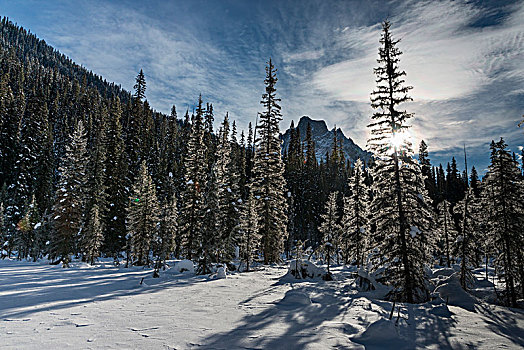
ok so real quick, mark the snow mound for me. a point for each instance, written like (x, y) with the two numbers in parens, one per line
(441, 311)
(484, 290)
(295, 298)
(304, 269)
(443, 272)
(366, 282)
(449, 289)
(79, 265)
(184, 266)
(381, 334)
(221, 272)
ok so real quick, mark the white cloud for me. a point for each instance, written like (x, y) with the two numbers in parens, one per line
(443, 60)
(303, 56)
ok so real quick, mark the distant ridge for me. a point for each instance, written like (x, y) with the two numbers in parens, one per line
(324, 138)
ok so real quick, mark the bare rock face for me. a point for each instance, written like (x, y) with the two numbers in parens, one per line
(324, 138)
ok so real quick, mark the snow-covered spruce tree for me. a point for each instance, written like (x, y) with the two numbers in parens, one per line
(192, 211)
(92, 235)
(504, 200)
(142, 217)
(295, 180)
(26, 231)
(248, 230)
(223, 191)
(242, 168)
(208, 246)
(3, 235)
(311, 188)
(446, 230)
(70, 197)
(399, 207)
(354, 219)
(168, 229)
(427, 173)
(469, 212)
(234, 196)
(134, 126)
(7, 139)
(32, 170)
(116, 179)
(330, 228)
(268, 180)
(227, 177)
(209, 138)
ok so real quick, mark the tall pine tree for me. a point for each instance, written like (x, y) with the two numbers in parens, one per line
(268, 179)
(192, 212)
(70, 197)
(354, 220)
(504, 198)
(142, 217)
(399, 209)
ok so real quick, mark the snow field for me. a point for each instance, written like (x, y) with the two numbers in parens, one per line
(106, 307)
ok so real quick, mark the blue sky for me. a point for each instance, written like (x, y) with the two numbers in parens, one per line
(465, 59)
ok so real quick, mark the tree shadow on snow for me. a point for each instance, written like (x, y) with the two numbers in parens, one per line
(290, 323)
(31, 288)
(503, 321)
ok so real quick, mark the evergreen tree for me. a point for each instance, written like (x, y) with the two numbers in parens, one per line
(249, 237)
(116, 180)
(311, 188)
(330, 228)
(140, 86)
(399, 208)
(12, 111)
(142, 218)
(70, 197)
(168, 229)
(468, 212)
(425, 163)
(6, 138)
(294, 164)
(26, 239)
(192, 212)
(242, 168)
(446, 230)
(3, 235)
(92, 236)
(455, 186)
(209, 137)
(250, 152)
(354, 220)
(209, 240)
(227, 177)
(467, 209)
(441, 183)
(268, 180)
(474, 182)
(32, 169)
(96, 193)
(504, 198)
(136, 127)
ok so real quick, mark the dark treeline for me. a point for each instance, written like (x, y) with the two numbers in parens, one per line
(89, 170)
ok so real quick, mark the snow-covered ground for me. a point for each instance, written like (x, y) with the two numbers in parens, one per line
(48, 307)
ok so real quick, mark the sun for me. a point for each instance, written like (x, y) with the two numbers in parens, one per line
(398, 139)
